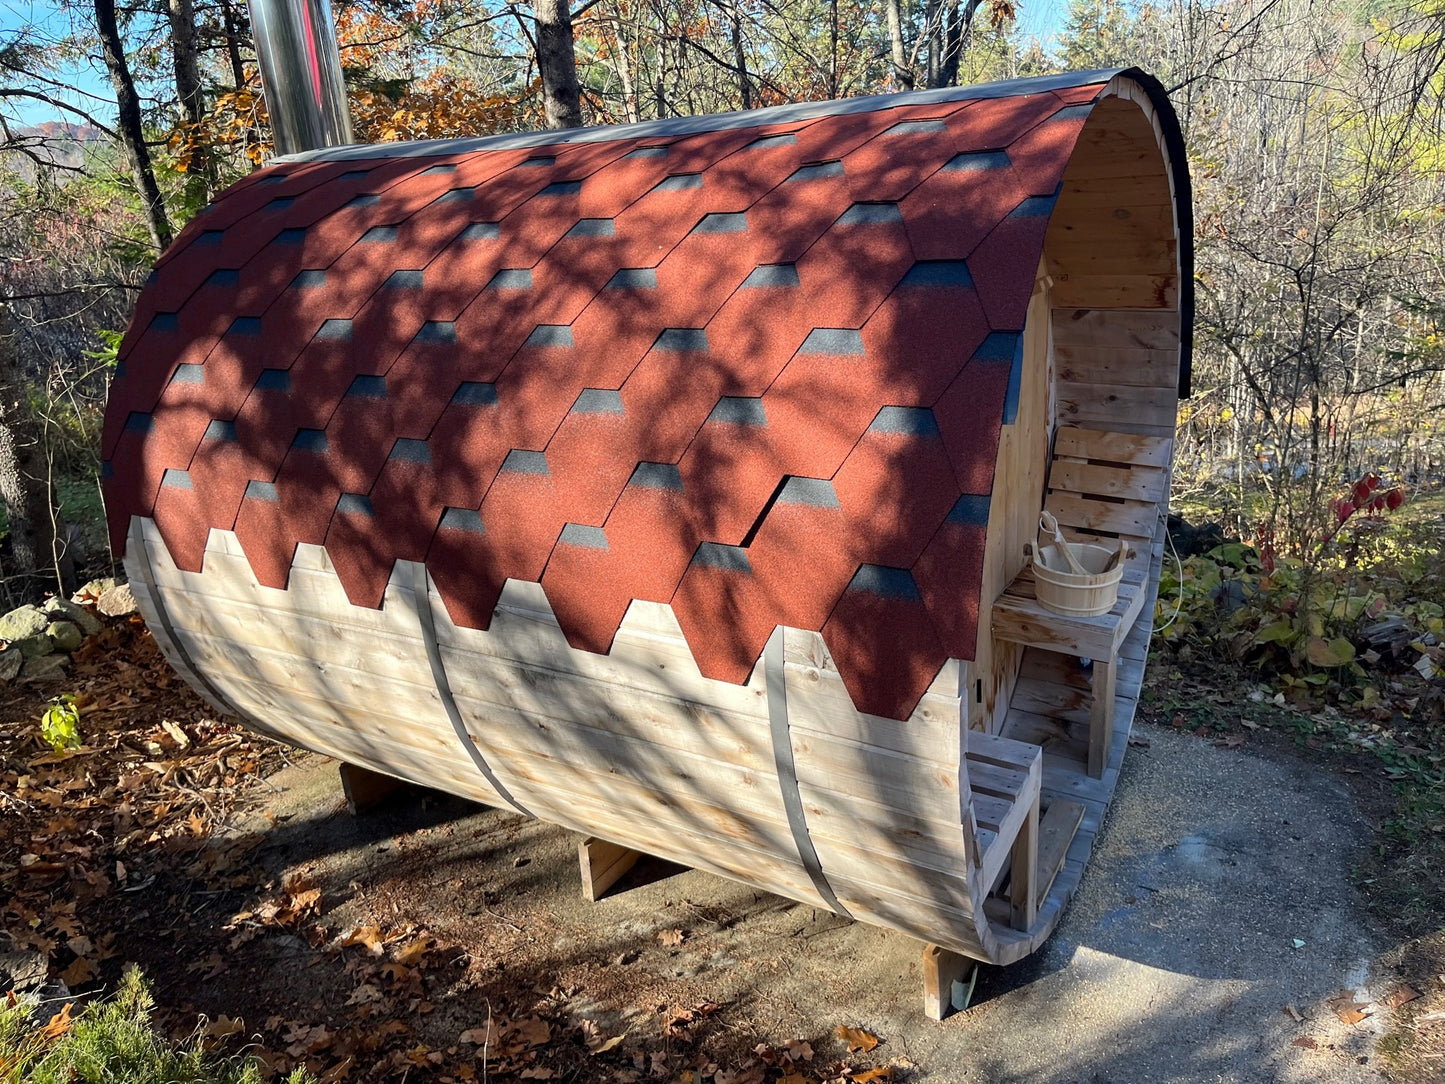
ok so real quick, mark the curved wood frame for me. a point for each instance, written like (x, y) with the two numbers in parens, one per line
(780, 783)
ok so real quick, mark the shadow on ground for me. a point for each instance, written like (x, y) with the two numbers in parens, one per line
(1218, 899)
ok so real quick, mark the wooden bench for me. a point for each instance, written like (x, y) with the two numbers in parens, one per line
(1105, 488)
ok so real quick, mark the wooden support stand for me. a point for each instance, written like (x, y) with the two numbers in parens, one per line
(1020, 618)
(1101, 714)
(947, 981)
(603, 865)
(365, 788)
(1023, 901)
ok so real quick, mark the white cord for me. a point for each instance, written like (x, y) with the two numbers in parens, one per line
(1179, 565)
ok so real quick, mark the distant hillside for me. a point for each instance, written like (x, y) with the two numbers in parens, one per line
(58, 142)
(61, 130)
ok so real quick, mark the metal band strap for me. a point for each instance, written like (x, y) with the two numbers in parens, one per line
(140, 556)
(787, 773)
(421, 590)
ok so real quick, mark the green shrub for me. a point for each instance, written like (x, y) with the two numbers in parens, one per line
(111, 1042)
(1298, 623)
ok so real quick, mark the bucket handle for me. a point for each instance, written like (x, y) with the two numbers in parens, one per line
(1049, 526)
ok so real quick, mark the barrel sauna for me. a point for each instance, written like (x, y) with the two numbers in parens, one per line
(673, 482)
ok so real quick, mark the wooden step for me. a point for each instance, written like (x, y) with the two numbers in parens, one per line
(1132, 448)
(1057, 829)
(1003, 776)
(1058, 826)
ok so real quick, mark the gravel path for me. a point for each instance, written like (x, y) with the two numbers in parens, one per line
(1218, 899)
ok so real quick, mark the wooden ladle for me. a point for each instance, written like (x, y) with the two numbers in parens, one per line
(1050, 526)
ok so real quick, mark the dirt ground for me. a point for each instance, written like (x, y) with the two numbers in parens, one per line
(1216, 936)
(1221, 932)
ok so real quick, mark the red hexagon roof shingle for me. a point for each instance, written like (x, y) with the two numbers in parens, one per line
(756, 372)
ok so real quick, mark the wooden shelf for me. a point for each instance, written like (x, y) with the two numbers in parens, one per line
(1020, 618)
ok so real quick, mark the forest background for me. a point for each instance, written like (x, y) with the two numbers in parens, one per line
(1314, 438)
(1314, 135)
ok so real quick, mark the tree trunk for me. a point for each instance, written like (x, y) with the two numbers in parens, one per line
(622, 60)
(933, 30)
(954, 28)
(233, 43)
(947, 27)
(902, 70)
(24, 477)
(234, 38)
(740, 59)
(188, 91)
(131, 132)
(833, 49)
(557, 63)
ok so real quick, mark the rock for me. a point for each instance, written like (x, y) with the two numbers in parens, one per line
(22, 969)
(23, 622)
(11, 660)
(32, 646)
(1230, 594)
(65, 635)
(60, 610)
(116, 602)
(44, 666)
(1191, 541)
(94, 589)
(48, 996)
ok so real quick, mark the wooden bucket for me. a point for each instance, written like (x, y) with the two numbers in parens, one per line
(1068, 593)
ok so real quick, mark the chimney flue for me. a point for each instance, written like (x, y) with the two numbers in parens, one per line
(301, 74)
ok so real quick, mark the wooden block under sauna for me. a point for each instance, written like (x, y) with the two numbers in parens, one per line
(602, 864)
(364, 788)
(944, 974)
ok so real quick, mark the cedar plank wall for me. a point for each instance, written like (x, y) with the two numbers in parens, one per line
(594, 742)
(1107, 359)
(1112, 252)
(1018, 490)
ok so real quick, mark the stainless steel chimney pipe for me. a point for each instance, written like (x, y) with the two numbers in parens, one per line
(301, 74)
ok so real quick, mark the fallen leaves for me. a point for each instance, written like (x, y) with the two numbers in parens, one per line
(298, 900)
(482, 1036)
(671, 938)
(223, 1026)
(680, 1023)
(1352, 1013)
(596, 1042)
(58, 1024)
(857, 1040)
(144, 796)
(1400, 995)
(368, 937)
(80, 971)
(1347, 1008)
(532, 1030)
(365, 994)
